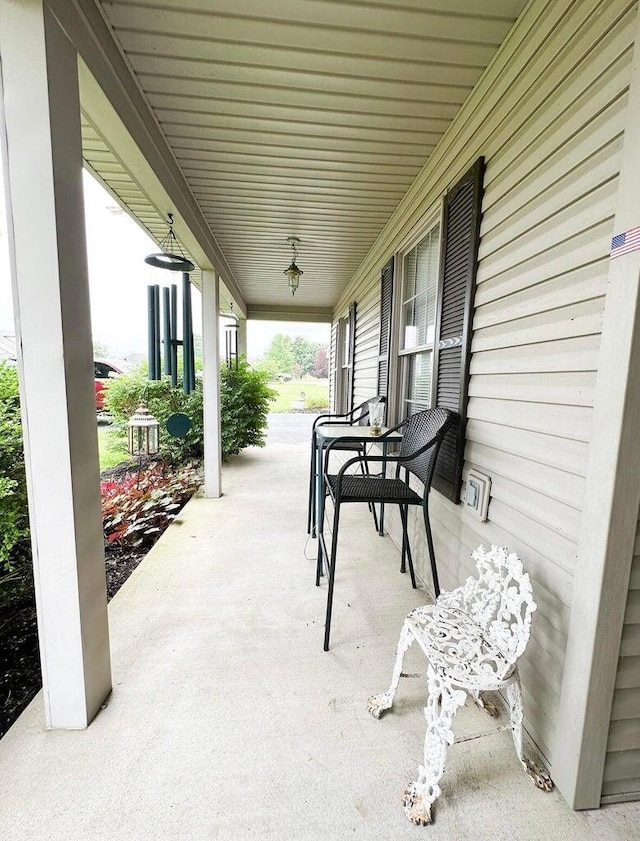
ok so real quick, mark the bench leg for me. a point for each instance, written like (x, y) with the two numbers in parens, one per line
(442, 705)
(540, 778)
(377, 704)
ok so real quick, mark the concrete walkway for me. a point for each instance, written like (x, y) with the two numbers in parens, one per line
(228, 721)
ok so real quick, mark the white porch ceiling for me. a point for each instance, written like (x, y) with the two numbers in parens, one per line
(299, 117)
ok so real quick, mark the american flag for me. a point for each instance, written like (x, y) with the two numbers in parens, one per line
(626, 242)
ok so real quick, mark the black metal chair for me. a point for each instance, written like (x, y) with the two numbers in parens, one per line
(421, 439)
(358, 416)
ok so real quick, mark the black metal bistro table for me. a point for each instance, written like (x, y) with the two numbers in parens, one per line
(324, 435)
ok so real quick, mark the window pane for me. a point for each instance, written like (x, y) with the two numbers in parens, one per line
(420, 291)
(419, 382)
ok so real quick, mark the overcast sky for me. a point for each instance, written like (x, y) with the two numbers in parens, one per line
(118, 279)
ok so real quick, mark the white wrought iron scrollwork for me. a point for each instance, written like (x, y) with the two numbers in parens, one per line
(472, 637)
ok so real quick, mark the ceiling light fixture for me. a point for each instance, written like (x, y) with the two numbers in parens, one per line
(293, 272)
(170, 256)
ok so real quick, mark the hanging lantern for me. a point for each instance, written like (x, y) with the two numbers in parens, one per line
(293, 273)
(143, 433)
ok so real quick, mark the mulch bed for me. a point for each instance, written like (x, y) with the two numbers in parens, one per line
(20, 678)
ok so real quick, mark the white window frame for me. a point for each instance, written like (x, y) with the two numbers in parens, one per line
(400, 369)
(342, 364)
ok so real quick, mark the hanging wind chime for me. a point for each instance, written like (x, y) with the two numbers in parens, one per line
(171, 258)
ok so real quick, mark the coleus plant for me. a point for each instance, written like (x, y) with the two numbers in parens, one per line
(138, 507)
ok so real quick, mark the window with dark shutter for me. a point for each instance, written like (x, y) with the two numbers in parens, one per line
(452, 346)
(333, 374)
(386, 301)
(351, 358)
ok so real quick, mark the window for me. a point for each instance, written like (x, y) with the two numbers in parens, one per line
(434, 325)
(344, 360)
(343, 357)
(418, 321)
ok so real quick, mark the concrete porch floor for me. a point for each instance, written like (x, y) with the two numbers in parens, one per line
(228, 721)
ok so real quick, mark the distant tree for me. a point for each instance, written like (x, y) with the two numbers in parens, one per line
(304, 353)
(279, 356)
(320, 367)
(100, 350)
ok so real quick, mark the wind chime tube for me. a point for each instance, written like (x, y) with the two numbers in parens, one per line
(151, 359)
(193, 350)
(186, 334)
(166, 323)
(174, 334)
(156, 332)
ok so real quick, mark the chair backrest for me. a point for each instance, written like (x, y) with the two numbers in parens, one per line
(500, 600)
(363, 418)
(418, 429)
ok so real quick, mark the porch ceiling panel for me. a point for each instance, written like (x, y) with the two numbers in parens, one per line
(308, 118)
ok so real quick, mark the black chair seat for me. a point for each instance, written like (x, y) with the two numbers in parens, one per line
(373, 489)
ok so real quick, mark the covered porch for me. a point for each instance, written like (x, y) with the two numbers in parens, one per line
(351, 126)
(227, 720)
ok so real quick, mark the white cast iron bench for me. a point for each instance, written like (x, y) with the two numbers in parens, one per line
(472, 637)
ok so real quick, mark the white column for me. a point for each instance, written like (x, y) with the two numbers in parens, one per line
(242, 337)
(610, 511)
(42, 156)
(211, 384)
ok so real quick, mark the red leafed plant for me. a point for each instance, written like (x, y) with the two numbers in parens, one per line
(137, 507)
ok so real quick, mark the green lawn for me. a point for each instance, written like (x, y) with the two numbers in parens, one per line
(112, 447)
(316, 394)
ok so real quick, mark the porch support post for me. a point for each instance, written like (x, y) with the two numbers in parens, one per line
(610, 512)
(242, 337)
(211, 384)
(42, 155)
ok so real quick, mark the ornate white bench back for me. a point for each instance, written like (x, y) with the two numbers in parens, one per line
(500, 600)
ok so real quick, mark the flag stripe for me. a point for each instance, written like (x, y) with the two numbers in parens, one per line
(625, 242)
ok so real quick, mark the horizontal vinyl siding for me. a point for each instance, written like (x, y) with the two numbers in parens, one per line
(367, 342)
(622, 765)
(548, 116)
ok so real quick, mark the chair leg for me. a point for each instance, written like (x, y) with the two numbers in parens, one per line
(540, 778)
(320, 533)
(372, 506)
(442, 705)
(406, 548)
(332, 573)
(312, 492)
(432, 553)
(377, 704)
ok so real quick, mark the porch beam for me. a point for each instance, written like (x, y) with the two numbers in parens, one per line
(610, 513)
(211, 384)
(117, 108)
(274, 312)
(42, 156)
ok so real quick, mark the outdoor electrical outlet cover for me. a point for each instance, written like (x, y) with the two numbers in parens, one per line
(477, 495)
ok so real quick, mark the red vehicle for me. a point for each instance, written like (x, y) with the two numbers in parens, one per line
(105, 369)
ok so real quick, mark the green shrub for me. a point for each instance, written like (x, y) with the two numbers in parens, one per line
(14, 513)
(125, 394)
(244, 403)
(244, 396)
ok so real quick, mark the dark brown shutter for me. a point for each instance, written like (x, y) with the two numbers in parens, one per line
(458, 267)
(352, 355)
(386, 300)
